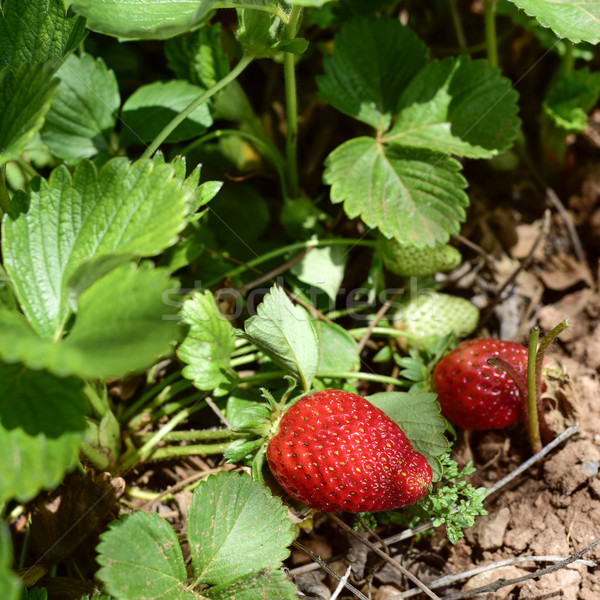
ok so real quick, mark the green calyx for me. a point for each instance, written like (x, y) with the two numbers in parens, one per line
(259, 424)
(409, 261)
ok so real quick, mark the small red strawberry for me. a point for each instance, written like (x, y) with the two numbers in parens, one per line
(475, 395)
(335, 451)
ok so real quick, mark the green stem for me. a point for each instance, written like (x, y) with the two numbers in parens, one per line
(376, 377)
(348, 312)
(245, 360)
(164, 134)
(192, 436)
(568, 61)
(27, 168)
(168, 392)
(142, 453)
(175, 451)
(533, 391)
(491, 41)
(457, 23)
(387, 331)
(98, 398)
(171, 407)
(291, 103)
(258, 378)
(282, 250)
(135, 408)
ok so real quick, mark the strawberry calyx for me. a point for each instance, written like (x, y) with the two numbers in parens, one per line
(259, 424)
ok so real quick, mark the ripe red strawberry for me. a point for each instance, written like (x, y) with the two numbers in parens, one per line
(474, 395)
(335, 451)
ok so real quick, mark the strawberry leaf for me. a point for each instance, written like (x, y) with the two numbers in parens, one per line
(352, 84)
(149, 543)
(25, 97)
(41, 428)
(323, 268)
(412, 194)
(133, 209)
(48, 33)
(418, 415)
(82, 117)
(143, 19)
(577, 21)
(272, 585)
(208, 344)
(569, 101)
(403, 181)
(151, 107)
(284, 332)
(456, 106)
(338, 350)
(123, 324)
(236, 529)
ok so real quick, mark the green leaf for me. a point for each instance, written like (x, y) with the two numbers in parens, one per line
(284, 333)
(364, 78)
(544, 36)
(457, 106)
(140, 557)
(236, 529)
(323, 268)
(418, 415)
(25, 97)
(338, 350)
(198, 57)
(41, 427)
(208, 344)
(576, 20)
(151, 107)
(569, 101)
(143, 19)
(123, 324)
(82, 117)
(272, 585)
(131, 209)
(10, 584)
(412, 194)
(36, 31)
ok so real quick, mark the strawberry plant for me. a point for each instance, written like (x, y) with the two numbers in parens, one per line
(203, 201)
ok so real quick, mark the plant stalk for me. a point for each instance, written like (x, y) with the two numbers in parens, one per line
(534, 388)
(176, 451)
(164, 134)
(291, 103)
(457, 23)
(142, 453)
(491, 41)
